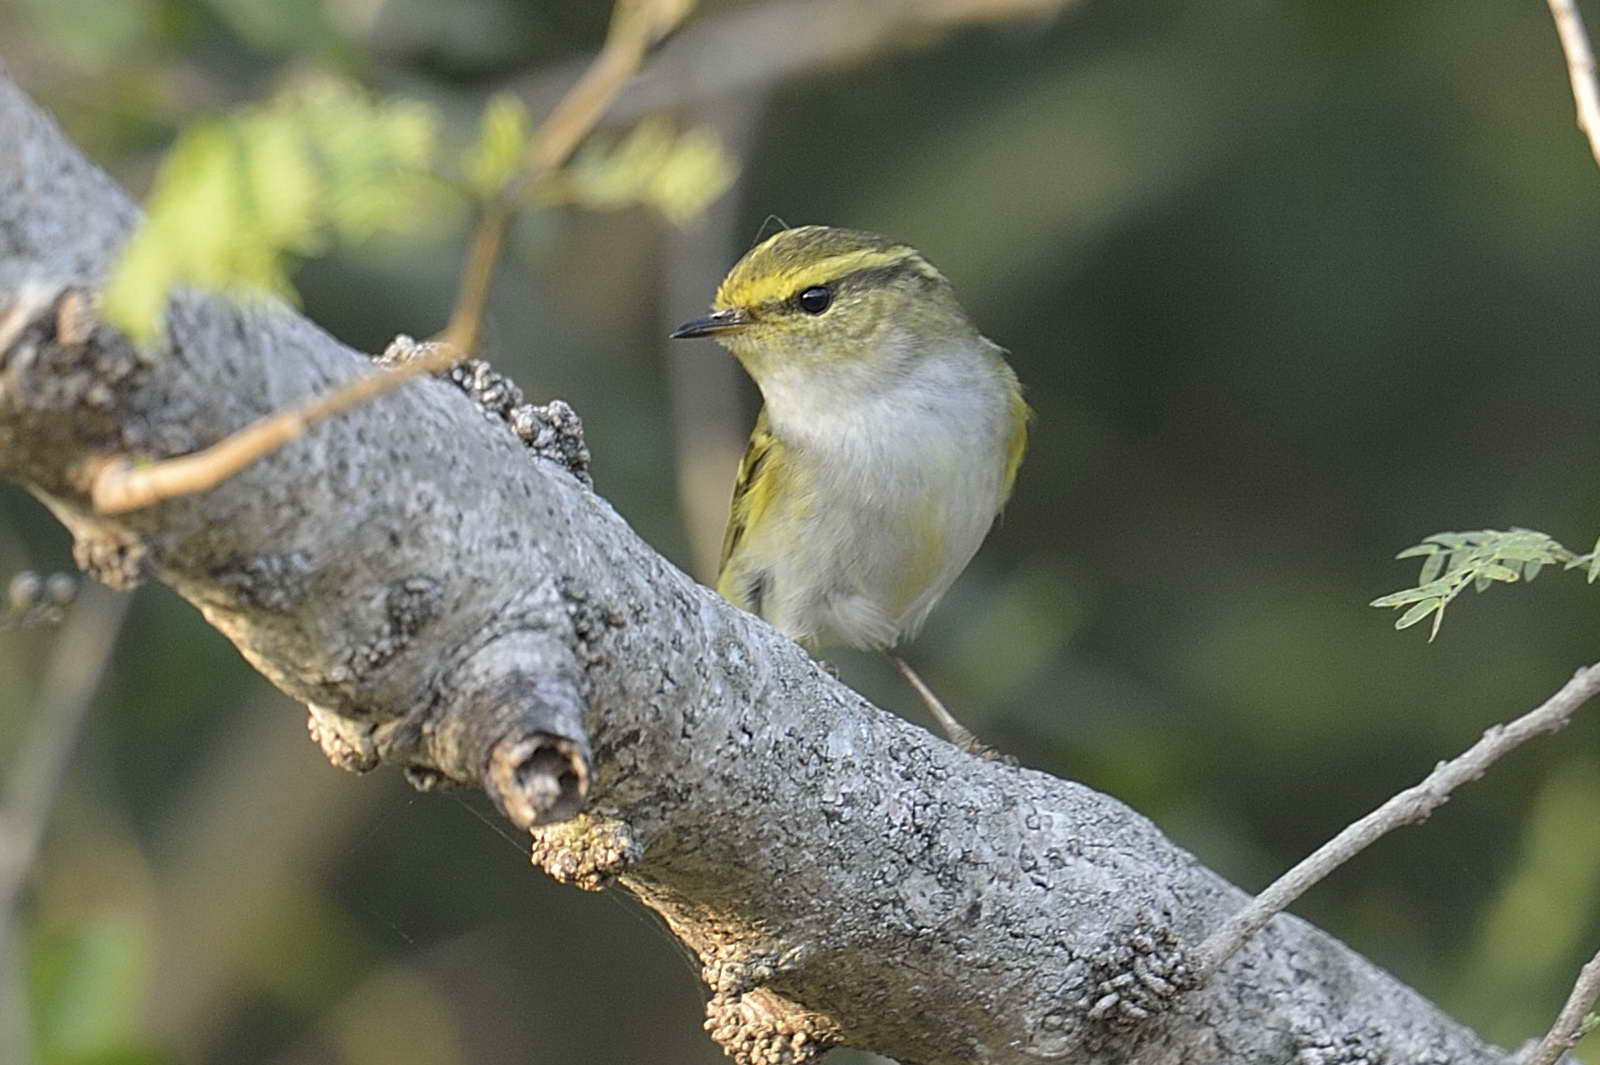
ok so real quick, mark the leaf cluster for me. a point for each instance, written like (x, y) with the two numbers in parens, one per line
(676, 172)
(1454, 561)
(239, 195)
(242, 195)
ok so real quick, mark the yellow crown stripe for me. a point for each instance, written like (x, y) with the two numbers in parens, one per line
(784, 283)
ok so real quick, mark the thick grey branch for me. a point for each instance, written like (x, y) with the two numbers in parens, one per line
(455, 604)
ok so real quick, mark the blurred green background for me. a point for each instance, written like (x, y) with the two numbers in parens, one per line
(1290, 286)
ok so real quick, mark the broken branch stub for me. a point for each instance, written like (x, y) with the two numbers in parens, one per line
(514, 722)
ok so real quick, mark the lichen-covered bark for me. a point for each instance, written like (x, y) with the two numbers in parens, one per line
(445, 599)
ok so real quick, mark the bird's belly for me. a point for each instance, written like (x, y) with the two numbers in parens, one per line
(867, 558)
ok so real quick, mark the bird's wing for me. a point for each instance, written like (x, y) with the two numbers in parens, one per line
(752, 494)
(1017, 446)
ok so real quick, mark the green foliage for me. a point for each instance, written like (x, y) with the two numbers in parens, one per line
(679, 173)
(85, 987)
(503, 137)
(241, 195)
(1453, 561)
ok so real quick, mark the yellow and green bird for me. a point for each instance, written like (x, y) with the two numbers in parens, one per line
(889, 438)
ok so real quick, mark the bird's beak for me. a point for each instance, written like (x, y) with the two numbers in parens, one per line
(711, 325)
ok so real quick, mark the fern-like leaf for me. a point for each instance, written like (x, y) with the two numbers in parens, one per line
(501, 148)
(677, 173)
(1452, 561)
(241, 195)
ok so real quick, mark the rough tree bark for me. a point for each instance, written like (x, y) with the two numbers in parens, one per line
(447, 601)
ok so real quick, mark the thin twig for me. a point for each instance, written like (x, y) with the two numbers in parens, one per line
(1580, 69)
(71, 677)
(1571, 1021)
(118, 484)
(637, 26)
(464, 331)
(746, 48)
(1408, 807)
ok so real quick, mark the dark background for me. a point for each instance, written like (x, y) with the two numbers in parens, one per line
(1290, 286)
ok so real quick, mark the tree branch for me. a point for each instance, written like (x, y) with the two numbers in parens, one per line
(70, 680)
(448, 603)
(1409, 807)
(122, 484)
(1573, 1021)
(1580, 69)
(750, 47)
(636, 27)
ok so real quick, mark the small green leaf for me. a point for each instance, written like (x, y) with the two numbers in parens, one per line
(87, 984)
(241, 195)
(502, 145)
(281, 183)
(195, 232)
(1409, 595)
(1418, 612)
(677, 173)
(1481, 558)
(1432, 566)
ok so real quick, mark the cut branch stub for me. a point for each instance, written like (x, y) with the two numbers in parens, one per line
(509, 719)
(537, 780)
(513, 721)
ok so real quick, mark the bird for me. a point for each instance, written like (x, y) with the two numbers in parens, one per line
(889, 438)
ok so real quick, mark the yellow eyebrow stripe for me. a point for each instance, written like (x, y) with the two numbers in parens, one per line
(780, 285)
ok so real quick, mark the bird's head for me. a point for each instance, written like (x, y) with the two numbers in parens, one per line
(848, 305)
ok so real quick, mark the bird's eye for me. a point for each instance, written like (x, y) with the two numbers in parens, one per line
(815, 299)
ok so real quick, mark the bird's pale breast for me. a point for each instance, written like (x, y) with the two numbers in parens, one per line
(885, 499)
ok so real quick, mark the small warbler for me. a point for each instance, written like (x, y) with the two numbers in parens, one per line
(889, 439)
